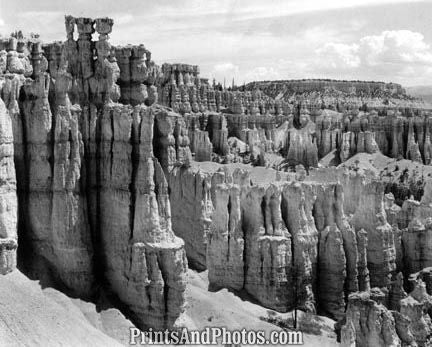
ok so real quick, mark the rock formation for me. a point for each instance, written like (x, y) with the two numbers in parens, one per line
(9, 205)
(117, 173)
(368, 323)
(93, 199)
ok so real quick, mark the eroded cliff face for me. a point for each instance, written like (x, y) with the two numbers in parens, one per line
(287, 243)
(365, 201)
(331, 242)
(94, 207)
(343, 121)
(112, 164)
(368, 323)
(192, 218)
(8, 196)
(144, 261)
(56, 228)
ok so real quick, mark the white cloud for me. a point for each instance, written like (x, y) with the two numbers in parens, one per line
(339, 56)
(395, 47)
(398, 55)
(2, 23)
(226, 67)
(226, 70)
(123, 19)
(261, 73)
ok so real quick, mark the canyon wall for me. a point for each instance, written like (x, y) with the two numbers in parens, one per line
(331, 242)
(93, 199)
(263, 235)
(8, 196)
(108, 182)
(337, 94)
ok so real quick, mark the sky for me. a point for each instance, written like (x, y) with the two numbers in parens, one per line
(385, 40)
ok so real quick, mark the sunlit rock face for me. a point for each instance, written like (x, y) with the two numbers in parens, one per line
(117, 173)
(286, 243)
(8, 196)
(93, 199)
(368, 323)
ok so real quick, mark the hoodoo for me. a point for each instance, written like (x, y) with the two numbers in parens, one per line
(144, 187)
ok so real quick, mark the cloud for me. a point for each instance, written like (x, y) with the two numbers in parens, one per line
(338, 56)
(225, 70)
(259, 9)
(261, 73)
(398, 55)
(226, 67)
(2, 23)
(123, 19)
(395, 47)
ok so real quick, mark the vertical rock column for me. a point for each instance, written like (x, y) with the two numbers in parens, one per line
(417, 246)
(363, 271)
(11, 152)
(8, 196)
(298, 200)
(334, 263)
(370, 216)
(225, 241)
(145, 261)
(123, 55)
(268, 248)
(56, 231)
(85, 58)
(138, 75)
(368, 323)
(104, 85)
(191, 209)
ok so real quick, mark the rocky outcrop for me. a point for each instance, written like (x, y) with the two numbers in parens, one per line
(145, 261)
(368, 323)
(414, 307)
(302, 147)
(218, 133)
(191, 210)
(225, 240)
(113, 165)
(337, 94)
(269, 263)
(94, 207)
(332, 272)
(8, 196)
(365, 200)
(56, 230)
(239, 233)
(362, 142)
(285, 243)
(417, 243)
(171, 139)
(397, 292)
(363, 271)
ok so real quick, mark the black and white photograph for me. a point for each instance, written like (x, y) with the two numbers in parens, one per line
(216, 173)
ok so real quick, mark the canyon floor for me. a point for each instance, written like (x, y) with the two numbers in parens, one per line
(31, 316)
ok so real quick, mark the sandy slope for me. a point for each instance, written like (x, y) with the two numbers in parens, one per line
(225, 309)
(30, 316)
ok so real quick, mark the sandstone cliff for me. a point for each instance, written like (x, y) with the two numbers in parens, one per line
(93, 199)
(107, 181)
(8, 196)
(286, 243)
